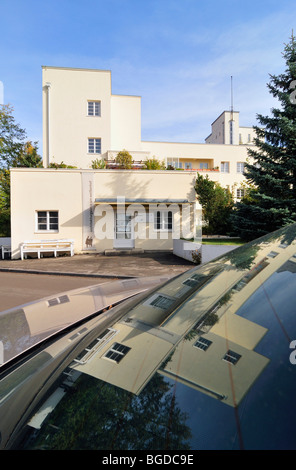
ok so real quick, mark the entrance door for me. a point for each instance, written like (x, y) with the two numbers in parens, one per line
(124, 231)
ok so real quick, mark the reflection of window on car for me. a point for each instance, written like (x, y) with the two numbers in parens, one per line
(95, 346)
(231, 357)
(272, 254)
(117, 352)
(161, 301)
(202, 343)
(58, 300)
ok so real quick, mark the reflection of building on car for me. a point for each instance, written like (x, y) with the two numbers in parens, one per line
(209, 341)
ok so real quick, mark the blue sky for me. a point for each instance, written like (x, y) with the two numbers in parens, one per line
(177, 55)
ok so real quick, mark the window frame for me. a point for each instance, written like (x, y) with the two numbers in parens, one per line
(47, 229)
(202, 343)
(222, 167)
(94, 103)
(95, 139)
(240, 193)
(114, 349)
(160, 225)
(238, 167)
(203, 166)
(231, 357)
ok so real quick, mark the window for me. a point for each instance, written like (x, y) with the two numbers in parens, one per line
(58, 300)
(204, 166)
(94, 108)
(224, 167)
(163, 220)
(191, 282)
(240, 166)
(174, 163)
(272, 254)
(188, 165)
(231, 357)
(202, 343)
(161, 301)
(231, 132)
(117, 352)
(240, 193)
(48, 221)
(95, 346)
(94, 145)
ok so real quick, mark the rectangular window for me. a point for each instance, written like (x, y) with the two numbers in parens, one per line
(231, 357)
(240, 193)
(94, 145)
(117, 352)
(163, 220)
(240, 166)
(204, 166)
(48, 221)
(95, 346)
(161, 301)
(188, 165)
(94, 108)
(202, 343)
(58, 300)
(224, 167)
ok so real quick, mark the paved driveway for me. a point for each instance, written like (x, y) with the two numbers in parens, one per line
(33, 279)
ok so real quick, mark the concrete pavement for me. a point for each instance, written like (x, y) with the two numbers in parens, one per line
(22, 281)
(99, 265)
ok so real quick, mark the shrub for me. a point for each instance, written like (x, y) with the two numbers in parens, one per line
(124, 159)
(154, 164)
(98, 164)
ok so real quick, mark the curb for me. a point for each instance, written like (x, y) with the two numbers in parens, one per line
(57, 273)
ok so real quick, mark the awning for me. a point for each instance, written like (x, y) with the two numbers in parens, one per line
(120, 200)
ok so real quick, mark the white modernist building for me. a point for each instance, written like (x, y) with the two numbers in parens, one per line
(98, 210)
(83, 121)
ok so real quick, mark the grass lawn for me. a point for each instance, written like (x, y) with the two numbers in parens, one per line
(222, 241)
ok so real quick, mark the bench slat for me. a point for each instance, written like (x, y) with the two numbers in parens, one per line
(42, 246)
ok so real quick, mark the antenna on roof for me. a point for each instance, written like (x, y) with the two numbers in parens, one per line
(231, 108)
(1, 93)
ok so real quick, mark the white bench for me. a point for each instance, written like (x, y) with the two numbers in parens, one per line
(46, 246)
(5, 249)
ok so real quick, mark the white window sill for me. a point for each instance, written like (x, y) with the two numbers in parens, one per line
(46, 231)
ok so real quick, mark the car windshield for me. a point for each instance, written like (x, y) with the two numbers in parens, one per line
(201, 361)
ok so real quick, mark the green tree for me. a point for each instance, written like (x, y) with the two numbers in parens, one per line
(272, 203)
(217, 204)
(124, 159)
(100, 416)
(12, 137)
(15, 151)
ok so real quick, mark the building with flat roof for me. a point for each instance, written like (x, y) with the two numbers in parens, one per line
(83, 121)
(111, 208)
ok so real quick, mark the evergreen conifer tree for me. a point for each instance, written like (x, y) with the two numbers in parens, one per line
(272, 204)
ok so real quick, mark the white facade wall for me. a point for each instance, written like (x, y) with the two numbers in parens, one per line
(216, 154)
(125, 123)
(66, 124)
(74, 193)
